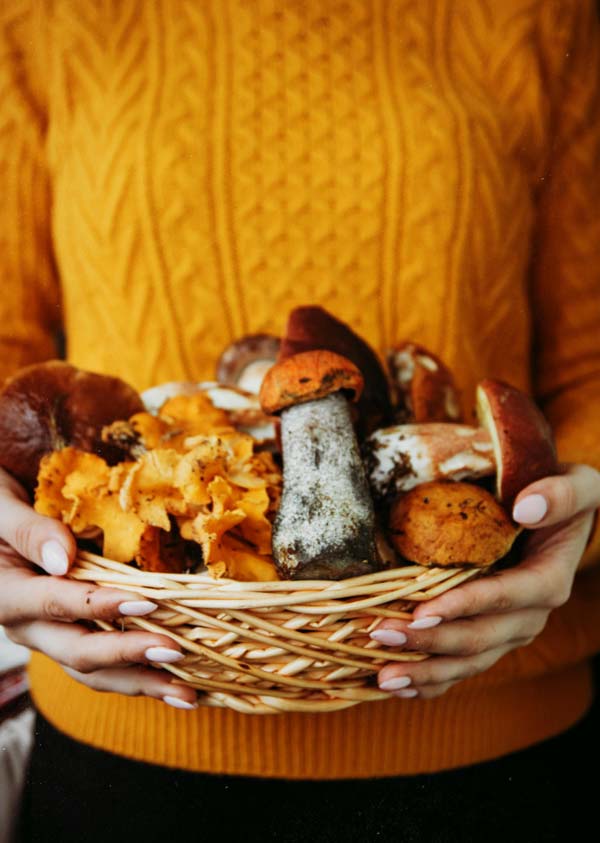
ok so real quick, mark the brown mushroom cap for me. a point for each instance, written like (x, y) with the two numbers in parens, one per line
(451, 523)
(424, 387)
(522, 438)
(309, 376)
(311, 328)
(46, 406)
(249, 351)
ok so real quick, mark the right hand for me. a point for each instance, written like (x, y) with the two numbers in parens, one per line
(41, 611)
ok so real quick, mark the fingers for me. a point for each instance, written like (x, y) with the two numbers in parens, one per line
(466, 637)
(27, 597)
(74, 646)
(555, 499)
(138, 681)
(439, 670)
(43, 541)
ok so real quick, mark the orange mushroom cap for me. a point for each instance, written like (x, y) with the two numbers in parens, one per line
(309, 376)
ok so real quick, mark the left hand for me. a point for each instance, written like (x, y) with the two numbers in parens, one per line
(470, 627)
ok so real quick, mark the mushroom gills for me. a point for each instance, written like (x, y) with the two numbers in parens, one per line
(325, 526)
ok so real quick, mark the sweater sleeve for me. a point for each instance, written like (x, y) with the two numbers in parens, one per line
(29, 293)
(566, 261)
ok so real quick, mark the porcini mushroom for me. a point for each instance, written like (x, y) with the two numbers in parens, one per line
(325, 525)
(523, 443)
(245, 362)
(423, 386)
(406, 455)
(46, 406)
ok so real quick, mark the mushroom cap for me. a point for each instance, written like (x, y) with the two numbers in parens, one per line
(311, 328)
(309, 376)
(449, 523)
(48, 405)
(425, 390)
(242, 354)
(523, 443)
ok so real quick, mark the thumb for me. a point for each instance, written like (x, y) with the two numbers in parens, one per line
(41, 540)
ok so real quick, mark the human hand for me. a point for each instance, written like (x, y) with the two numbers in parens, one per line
(469, 628)
(41, 612)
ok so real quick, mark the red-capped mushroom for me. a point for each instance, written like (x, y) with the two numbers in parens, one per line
(325, 525)
(523, 442)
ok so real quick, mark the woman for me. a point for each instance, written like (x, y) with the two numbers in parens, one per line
(176, 175)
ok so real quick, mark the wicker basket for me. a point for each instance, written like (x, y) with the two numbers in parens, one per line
(267, 647)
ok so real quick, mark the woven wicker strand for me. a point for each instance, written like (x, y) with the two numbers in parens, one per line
(268, 647)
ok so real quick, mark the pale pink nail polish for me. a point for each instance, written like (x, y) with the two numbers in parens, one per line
(531, 509)
(136, 608)
(407, 693)
(177, 703)
(395, 683)
(425, 623)
(389, 637)
(55, 560)
(163, 654)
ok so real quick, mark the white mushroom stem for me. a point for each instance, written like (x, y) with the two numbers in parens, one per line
(325, 526)
(401, 457)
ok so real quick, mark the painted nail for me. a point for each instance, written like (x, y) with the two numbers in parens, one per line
(407, 694)
(177, 703)
(163, 654)
(135, 608)
(395, 683)
(389, 637)
(425, 623)
(531, 509)
(54, 558)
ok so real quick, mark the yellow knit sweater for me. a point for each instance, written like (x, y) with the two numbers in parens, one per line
(174, 174)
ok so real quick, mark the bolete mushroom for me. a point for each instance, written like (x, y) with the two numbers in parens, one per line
(46, 406)
(312, 328)
(523, 443)
(404, 456)
(325, 525)
(423, 386)
(245, 362)
(451, 523)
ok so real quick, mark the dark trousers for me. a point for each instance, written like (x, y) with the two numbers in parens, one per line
(545, 793)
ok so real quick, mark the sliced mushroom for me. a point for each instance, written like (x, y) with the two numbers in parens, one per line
(325, 525)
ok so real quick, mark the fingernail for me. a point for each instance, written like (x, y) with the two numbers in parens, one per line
(137, 607)
(395, 683)
(163, 654)
(425, 623)
(531, 509)
(177, 703)
(54, 558)
(409, 692)
(389, 637)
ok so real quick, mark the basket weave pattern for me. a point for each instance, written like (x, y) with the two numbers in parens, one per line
(267, 647)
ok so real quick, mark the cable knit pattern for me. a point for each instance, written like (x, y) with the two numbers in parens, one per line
(177, 173)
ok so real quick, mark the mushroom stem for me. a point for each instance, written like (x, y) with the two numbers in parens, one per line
(325, 526)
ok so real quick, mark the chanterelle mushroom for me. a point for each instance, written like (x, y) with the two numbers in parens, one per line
(325, 526)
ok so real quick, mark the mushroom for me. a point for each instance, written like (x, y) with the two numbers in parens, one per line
(311, 328)
(245, 362)
(522, 439)
(424, 388)
(447, 524)
(401, 457)
(46, 406)
(325, 525)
